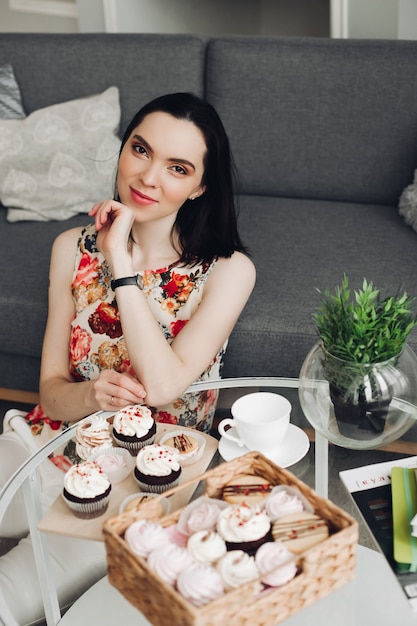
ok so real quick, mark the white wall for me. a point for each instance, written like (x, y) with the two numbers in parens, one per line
(32, 21)
(209, 17)
(195, 16)
(373, 19)
(91, 16)
(265, 17)
(407, 19)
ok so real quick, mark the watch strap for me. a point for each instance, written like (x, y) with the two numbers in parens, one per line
(127, 280)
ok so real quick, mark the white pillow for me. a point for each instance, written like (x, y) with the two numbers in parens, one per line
(408, 203)
(60, 160)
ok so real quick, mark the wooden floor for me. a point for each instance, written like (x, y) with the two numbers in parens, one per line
(16, 395)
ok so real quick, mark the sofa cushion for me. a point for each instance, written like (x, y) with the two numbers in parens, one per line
(59, 67)
(300, 245)
(318, 118)
(60, 160)
(25, 249)
(10, 99)
(295, 247)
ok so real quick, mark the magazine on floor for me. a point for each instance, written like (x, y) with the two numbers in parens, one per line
(371, 490)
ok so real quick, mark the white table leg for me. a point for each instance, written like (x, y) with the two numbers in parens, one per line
(40, 549)
(321, 465)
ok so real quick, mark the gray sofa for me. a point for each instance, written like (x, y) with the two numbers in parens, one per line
(324, 134)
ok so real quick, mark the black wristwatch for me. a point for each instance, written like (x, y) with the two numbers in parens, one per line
(128, 280)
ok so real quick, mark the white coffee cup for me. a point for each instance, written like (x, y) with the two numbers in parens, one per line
(260, 420)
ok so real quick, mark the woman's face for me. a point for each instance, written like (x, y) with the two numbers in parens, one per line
(161, 166)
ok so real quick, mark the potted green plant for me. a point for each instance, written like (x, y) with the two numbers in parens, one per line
(363, 336)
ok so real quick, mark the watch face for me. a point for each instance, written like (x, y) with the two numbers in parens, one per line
(139, 281)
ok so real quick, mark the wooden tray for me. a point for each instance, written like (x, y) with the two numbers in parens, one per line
(61, 521)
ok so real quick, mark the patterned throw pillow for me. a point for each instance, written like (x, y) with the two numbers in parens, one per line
(10, 100)
(60, 160)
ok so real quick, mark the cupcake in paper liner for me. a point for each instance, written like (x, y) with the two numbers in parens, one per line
(244, 527)
(189, 444)
(117, 463)
(134, 427)
(91, 434)
(134, 502)
(87, 490)
(158, 468)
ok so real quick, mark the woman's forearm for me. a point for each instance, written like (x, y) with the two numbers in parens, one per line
(167, 369)
(67, 401)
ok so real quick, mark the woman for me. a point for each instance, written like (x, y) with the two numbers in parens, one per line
(147, 296)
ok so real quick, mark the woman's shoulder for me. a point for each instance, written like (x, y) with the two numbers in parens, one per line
(237, 267)
(71, 237)
(238, 262)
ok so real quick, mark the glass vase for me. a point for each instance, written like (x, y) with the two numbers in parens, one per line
(359, 406)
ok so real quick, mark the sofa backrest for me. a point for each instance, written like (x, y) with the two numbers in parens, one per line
(309, 118)
(318, 118)
(52, 68)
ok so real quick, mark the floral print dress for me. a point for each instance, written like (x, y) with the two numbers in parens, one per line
(96, 343)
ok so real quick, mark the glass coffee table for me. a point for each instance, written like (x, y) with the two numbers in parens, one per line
(374, 595)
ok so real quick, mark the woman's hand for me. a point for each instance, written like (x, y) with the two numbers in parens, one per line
(113, 221)
(113, 390)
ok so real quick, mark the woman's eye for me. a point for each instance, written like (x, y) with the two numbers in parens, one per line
(140, 149)
(179, 169)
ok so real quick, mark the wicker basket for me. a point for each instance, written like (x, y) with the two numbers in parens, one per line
(323, 568)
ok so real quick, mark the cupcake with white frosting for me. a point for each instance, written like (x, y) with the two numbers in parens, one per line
(134, 427)
(87, 490)
(157, 468)
(244, 527)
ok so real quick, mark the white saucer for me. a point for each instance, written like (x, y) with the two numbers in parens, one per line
(291, 450)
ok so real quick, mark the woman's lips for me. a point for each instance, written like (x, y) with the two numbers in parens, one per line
(141, 198)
